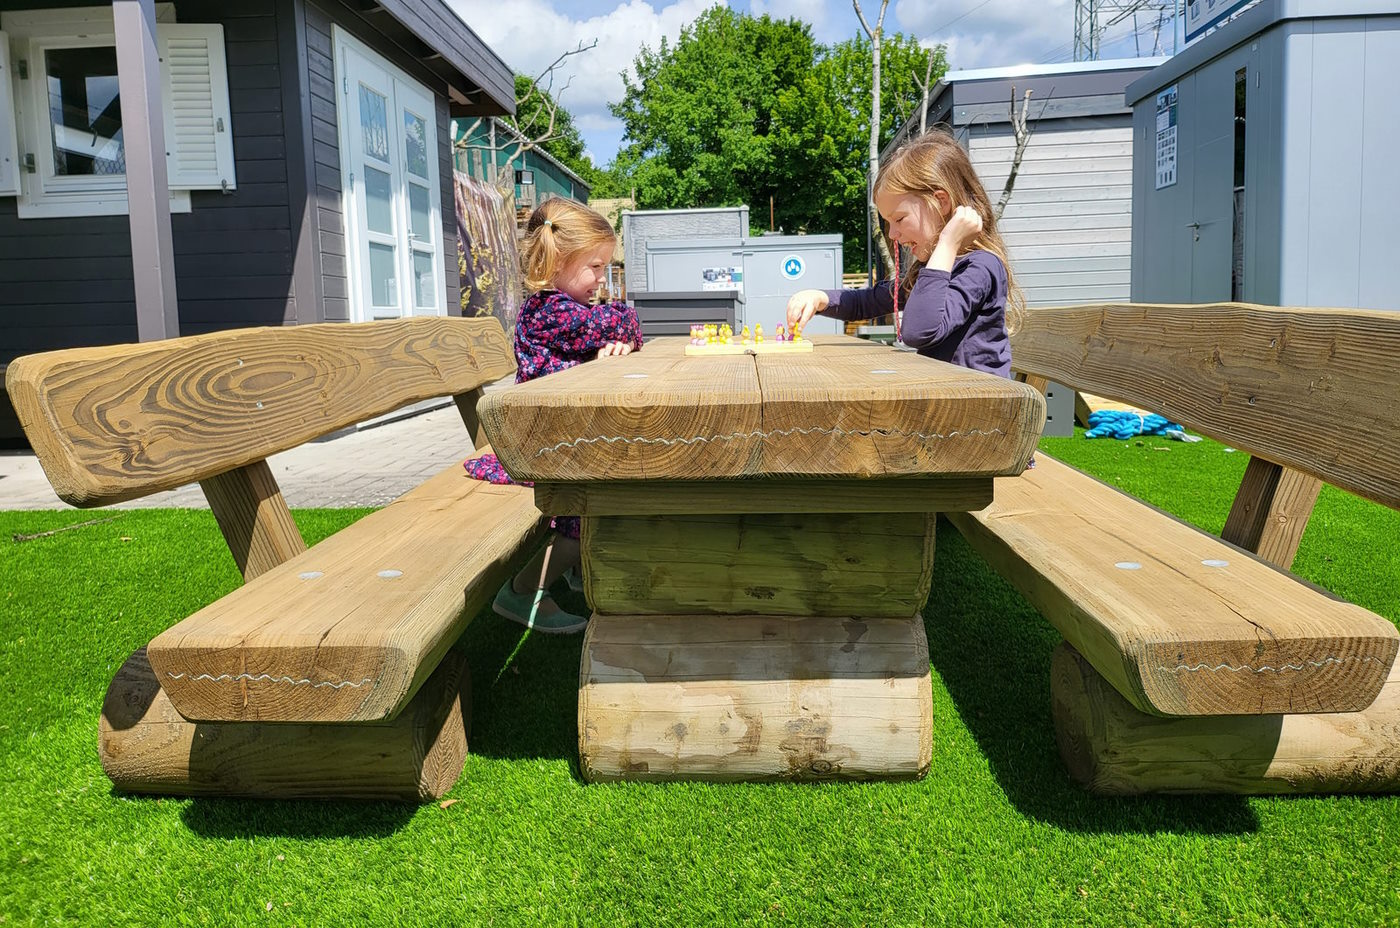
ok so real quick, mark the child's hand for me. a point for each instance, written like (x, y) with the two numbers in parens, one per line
(614, 349)
(803, 305)
(961, 228)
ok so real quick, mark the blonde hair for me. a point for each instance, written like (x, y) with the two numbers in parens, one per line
(935, 161)
(557, 232)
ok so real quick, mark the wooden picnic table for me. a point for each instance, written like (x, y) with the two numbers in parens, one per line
(758, 539)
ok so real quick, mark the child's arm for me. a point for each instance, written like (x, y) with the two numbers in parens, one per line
(841, 304)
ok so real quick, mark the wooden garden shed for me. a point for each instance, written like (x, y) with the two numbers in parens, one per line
(307, 163)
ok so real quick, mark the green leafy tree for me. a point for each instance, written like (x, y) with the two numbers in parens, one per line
(741, 109)
(822, 133)
(698, 115)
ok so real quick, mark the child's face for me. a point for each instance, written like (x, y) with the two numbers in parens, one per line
(914, 221)
(581, 276)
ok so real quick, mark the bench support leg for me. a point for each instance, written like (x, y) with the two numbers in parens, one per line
(1112, 748)
(255, 520)
(1271, 510)
(147, 747)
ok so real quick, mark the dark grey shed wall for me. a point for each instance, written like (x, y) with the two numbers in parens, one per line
(321, 82)
(68, 282)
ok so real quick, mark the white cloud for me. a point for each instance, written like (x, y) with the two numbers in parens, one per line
(996, 34)
(529, 34)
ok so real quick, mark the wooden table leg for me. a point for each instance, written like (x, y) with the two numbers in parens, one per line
(756, 647)
(754, 698)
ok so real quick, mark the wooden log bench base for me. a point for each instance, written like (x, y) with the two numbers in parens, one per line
(327, 674)
(1196, 663)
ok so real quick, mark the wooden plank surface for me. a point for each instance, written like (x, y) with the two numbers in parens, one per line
(1317, 390)
(349, 630)
(145, 746)
(1176, 620)
(850, 408)
(117, 422)
(799, 494)
(800, 564)
(754, 698)
(1112, 748)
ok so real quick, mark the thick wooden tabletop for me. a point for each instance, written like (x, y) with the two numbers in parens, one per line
(849, 408)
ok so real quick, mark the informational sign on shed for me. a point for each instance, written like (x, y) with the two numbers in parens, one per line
(1203, 14)
(1166, 137)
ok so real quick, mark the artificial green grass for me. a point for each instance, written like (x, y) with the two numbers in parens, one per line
(996, 834)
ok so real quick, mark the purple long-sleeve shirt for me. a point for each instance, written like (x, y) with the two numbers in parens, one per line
(958, 317)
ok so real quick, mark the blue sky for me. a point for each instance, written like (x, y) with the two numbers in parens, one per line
(528, 34)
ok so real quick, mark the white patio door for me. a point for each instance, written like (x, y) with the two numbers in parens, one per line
(388, 152)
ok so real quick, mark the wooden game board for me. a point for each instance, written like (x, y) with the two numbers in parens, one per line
(737, 347)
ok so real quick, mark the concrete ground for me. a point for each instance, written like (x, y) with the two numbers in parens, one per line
(366, 467)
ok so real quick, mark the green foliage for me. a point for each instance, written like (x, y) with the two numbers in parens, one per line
(743, 108)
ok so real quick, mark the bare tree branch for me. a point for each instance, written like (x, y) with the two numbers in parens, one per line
(876, 40)
(528, 136)
(1022, 133)
(924, 90)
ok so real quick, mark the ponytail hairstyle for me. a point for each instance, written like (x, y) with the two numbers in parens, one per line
(935, 161)
(558, 231)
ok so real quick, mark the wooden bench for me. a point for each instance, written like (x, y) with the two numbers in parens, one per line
(324, 674)
(1169, 628)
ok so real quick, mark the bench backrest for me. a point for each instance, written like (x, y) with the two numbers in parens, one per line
(118, 422)
(1311, 394)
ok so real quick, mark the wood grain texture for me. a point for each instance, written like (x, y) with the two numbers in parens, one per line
(795, 564)
(847, 409)
(253, 517)
(1112, 748)
(1271, 510)
(147, 747)
(121, 421)
(1317, 390)
(349, 630)
(754, 698)
(1176, 635)
(679, 497)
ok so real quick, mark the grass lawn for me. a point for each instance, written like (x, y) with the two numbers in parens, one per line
(996, 834)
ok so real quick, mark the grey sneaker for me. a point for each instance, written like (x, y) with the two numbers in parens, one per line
(517, 607)
(574, 578)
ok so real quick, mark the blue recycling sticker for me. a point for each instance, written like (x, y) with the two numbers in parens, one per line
(794, 267)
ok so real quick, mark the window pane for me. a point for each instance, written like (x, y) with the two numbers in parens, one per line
(415, 131)
(85, 113)
(383, 287)
(420, 217)
(379, 201)
(424, 286)
(374, 124)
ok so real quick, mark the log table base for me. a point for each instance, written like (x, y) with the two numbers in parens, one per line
(709, 697)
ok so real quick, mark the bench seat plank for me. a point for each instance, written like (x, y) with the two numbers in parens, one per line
(349, 630)
(1176, 636)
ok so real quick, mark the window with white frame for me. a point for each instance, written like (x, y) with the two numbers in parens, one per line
(389, 177)
(63, 109)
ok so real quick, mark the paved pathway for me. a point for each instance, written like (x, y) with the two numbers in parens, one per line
(368, 467)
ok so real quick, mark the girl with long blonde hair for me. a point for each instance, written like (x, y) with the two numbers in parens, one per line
(959, 295)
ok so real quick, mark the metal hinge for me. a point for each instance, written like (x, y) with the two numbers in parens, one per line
(23, 69)
(29, 167)
(345, 84)
(219, 124)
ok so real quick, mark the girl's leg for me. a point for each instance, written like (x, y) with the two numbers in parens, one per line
(548, 565)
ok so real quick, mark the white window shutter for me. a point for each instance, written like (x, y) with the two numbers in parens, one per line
(9, 152)
(198, 129)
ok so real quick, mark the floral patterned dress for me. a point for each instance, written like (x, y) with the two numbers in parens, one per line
(554, 333)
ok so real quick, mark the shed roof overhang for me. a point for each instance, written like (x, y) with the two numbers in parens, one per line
(478, 82)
